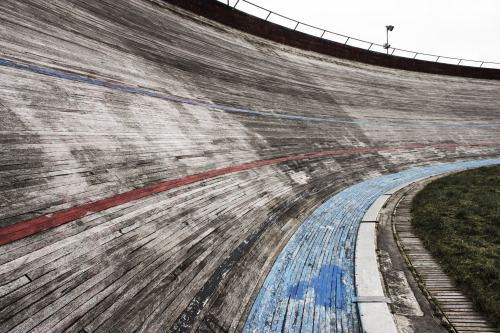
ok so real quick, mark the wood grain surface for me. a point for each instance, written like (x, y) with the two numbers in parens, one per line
(100, 100)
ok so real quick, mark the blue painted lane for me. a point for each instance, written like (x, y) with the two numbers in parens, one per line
(310, 287)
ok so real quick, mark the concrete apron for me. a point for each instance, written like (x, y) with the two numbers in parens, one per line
(326, 278)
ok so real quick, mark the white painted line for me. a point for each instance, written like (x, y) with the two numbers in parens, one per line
(372, 299)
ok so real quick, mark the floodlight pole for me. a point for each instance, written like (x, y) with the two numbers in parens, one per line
(387, 45)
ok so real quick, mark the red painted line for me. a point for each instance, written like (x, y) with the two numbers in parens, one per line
(27, 228)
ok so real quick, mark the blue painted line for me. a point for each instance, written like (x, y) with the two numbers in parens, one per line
(213, 106)
(310, 287)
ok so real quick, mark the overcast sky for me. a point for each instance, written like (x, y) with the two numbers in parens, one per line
(466, 29)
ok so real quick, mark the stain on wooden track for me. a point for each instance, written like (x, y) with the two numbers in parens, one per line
(90, 121)
(23, 229)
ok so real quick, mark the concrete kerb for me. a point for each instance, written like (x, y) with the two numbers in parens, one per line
(374, 312)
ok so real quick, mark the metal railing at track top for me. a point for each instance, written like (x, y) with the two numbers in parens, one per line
(323, 33)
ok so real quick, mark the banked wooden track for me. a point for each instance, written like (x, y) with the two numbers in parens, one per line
(149, 156)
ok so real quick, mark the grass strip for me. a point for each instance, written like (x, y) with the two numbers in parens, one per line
(458, 219)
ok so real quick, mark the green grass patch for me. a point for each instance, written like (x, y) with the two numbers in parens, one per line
(458, 219)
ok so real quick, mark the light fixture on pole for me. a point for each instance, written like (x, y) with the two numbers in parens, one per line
(387, 45)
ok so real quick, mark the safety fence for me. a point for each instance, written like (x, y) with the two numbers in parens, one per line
(265, 14)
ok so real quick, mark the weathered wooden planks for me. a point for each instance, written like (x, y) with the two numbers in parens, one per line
(136, 266)
(311, 285)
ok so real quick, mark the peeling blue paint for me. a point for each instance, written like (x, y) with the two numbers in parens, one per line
(328, 288)
(310, 287)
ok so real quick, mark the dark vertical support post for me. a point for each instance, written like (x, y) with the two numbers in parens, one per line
(387, 43)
